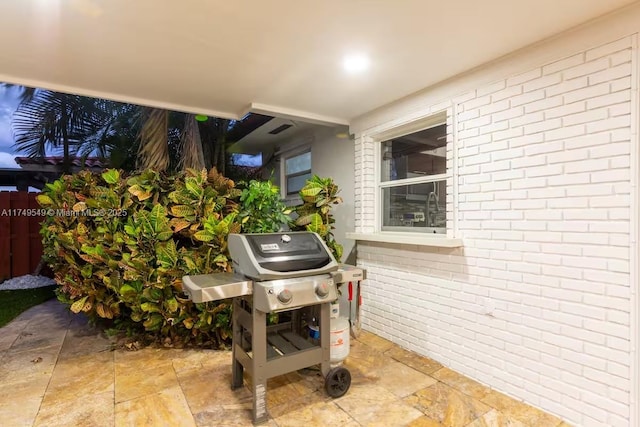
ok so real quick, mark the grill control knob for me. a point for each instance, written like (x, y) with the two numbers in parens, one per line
(322, 290)
(285, 296)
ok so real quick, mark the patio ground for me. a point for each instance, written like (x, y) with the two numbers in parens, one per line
(56, 370)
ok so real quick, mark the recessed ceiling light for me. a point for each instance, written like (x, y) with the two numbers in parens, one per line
(356, 63)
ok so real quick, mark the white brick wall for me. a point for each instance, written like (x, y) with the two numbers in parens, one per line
(537, 301)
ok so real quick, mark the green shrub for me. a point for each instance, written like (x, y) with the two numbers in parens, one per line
(318, 195)
(119, 248)
(262, 210)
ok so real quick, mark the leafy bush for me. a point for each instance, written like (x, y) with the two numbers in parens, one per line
(262, 210)
(318, 195)
(119, 248)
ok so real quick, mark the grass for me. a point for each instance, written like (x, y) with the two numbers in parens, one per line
(14, 302)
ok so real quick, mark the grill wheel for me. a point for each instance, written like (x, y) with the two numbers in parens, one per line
(337, 382)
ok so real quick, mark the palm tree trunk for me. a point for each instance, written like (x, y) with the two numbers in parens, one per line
(154, 147)
(220, 148)
(206, 138)
(192, 156)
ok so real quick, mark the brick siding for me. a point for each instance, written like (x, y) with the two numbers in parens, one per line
(536, 303)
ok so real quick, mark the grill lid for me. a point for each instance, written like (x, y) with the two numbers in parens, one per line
(280, 255)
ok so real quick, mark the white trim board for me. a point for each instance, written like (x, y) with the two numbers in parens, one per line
(634, 238)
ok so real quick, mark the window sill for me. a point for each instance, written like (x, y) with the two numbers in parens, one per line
(408, 239)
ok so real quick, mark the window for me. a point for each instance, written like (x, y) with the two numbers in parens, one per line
(297, 170)
(413, 181)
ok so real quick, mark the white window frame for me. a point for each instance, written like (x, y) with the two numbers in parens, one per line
(283, 170)
(430, 121)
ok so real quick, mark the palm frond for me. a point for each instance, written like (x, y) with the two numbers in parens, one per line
(58, 122)
(26, 93)
(118, 131)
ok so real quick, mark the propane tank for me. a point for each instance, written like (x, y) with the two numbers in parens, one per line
(339, 336)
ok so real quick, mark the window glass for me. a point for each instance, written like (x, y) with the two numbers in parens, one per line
(417, 154)
(413, 190)
(295, 183)
(416, 206)
(299, 163)
(297, 172)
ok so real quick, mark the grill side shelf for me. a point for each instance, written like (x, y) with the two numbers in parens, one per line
(215, 287)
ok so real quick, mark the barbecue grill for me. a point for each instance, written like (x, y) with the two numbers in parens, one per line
(289, 276)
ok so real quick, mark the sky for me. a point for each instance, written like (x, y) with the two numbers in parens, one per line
(8, 104)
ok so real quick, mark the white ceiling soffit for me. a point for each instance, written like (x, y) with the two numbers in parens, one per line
(280, 57)
(275, 131)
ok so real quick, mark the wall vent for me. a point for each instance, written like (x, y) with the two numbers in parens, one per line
(280, 129)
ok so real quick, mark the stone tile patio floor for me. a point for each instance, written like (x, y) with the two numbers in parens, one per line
(55, 370)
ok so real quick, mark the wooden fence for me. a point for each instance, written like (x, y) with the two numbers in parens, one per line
(20, 242)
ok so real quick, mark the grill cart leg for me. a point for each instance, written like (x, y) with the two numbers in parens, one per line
(259, 360)
(356, 324)
(325, 338)
(236, 367)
